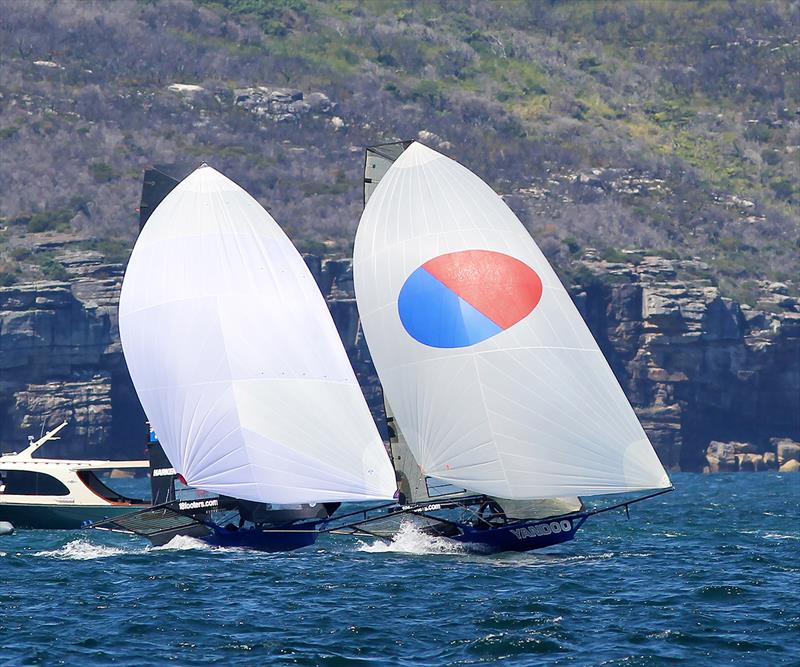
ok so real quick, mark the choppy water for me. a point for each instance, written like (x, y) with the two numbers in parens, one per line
(709, 574)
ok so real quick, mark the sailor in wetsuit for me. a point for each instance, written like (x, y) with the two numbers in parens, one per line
(402, 483)
(490, 515)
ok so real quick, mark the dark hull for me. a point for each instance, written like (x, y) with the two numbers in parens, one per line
(521, 535)
(299, 536)
(56, 517)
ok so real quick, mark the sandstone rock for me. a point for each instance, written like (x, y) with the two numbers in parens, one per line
(272, 103)
(319, 102)
(185, 88)
(721, 457)
(722, 320)
(428, 137)
(662, 309)
(790, 325)
(299, 107)
(770, 460)
(790, 466)
(745, 448)
(713, 464)
(786, 449)
(750, 462)
(52, 64)
(85, 403)
(661, 375)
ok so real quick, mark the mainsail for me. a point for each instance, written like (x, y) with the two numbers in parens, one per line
(236, 359)
(492, 375)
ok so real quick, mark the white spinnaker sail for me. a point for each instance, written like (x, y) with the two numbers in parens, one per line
(532, 411)
(236, 359)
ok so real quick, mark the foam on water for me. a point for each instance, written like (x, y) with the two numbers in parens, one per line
(182, 543)
(81, 550)
(411, 540)
(622, 593)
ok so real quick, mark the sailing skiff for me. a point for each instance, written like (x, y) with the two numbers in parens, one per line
(242, 374)
(501, 408)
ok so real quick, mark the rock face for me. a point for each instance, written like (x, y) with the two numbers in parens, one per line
(281, 104)
(716, 385)
(60, 358)
(697, 367)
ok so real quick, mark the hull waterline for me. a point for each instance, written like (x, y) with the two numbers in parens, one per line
(271, 541)
(521, 535)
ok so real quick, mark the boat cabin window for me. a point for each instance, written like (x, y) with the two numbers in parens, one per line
(29, 483)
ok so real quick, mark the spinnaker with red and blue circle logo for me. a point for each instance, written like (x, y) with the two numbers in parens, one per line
(462, 298)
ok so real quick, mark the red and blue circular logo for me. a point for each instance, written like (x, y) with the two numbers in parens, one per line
(462, 298)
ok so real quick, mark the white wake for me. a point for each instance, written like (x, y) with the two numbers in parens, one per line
(81, 550)
(411, 540)
(182, 543)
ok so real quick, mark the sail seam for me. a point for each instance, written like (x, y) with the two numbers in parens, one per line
(491, 426)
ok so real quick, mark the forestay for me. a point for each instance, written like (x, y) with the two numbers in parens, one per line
(236, 359)
(493, 377)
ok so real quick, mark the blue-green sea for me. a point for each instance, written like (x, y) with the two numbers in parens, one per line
(708, 575)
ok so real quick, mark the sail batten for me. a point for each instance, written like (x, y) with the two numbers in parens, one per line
(236, 359)
(497, 384)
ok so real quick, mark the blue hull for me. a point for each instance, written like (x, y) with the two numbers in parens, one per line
(522, 535)
(273, 540)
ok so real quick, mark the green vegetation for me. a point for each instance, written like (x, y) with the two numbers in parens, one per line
(311, 246)
(52, 269)
(8, 132)
(615, 256)
(114, 250)
(8, 274)
(612, 125)
(275, 17)
(48, 221)
(101, 172)
(19, 253)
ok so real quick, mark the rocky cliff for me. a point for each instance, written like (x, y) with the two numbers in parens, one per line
(716, 385)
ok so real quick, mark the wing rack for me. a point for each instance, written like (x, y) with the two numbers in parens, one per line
(159, 524)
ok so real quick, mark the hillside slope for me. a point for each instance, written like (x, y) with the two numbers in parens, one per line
(672, 127)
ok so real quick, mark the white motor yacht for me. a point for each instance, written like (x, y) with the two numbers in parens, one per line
(37, 492)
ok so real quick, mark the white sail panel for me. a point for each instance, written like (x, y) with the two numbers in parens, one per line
(236, 359)
(510, 404)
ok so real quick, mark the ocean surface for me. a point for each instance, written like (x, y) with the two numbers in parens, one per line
(708, 575)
